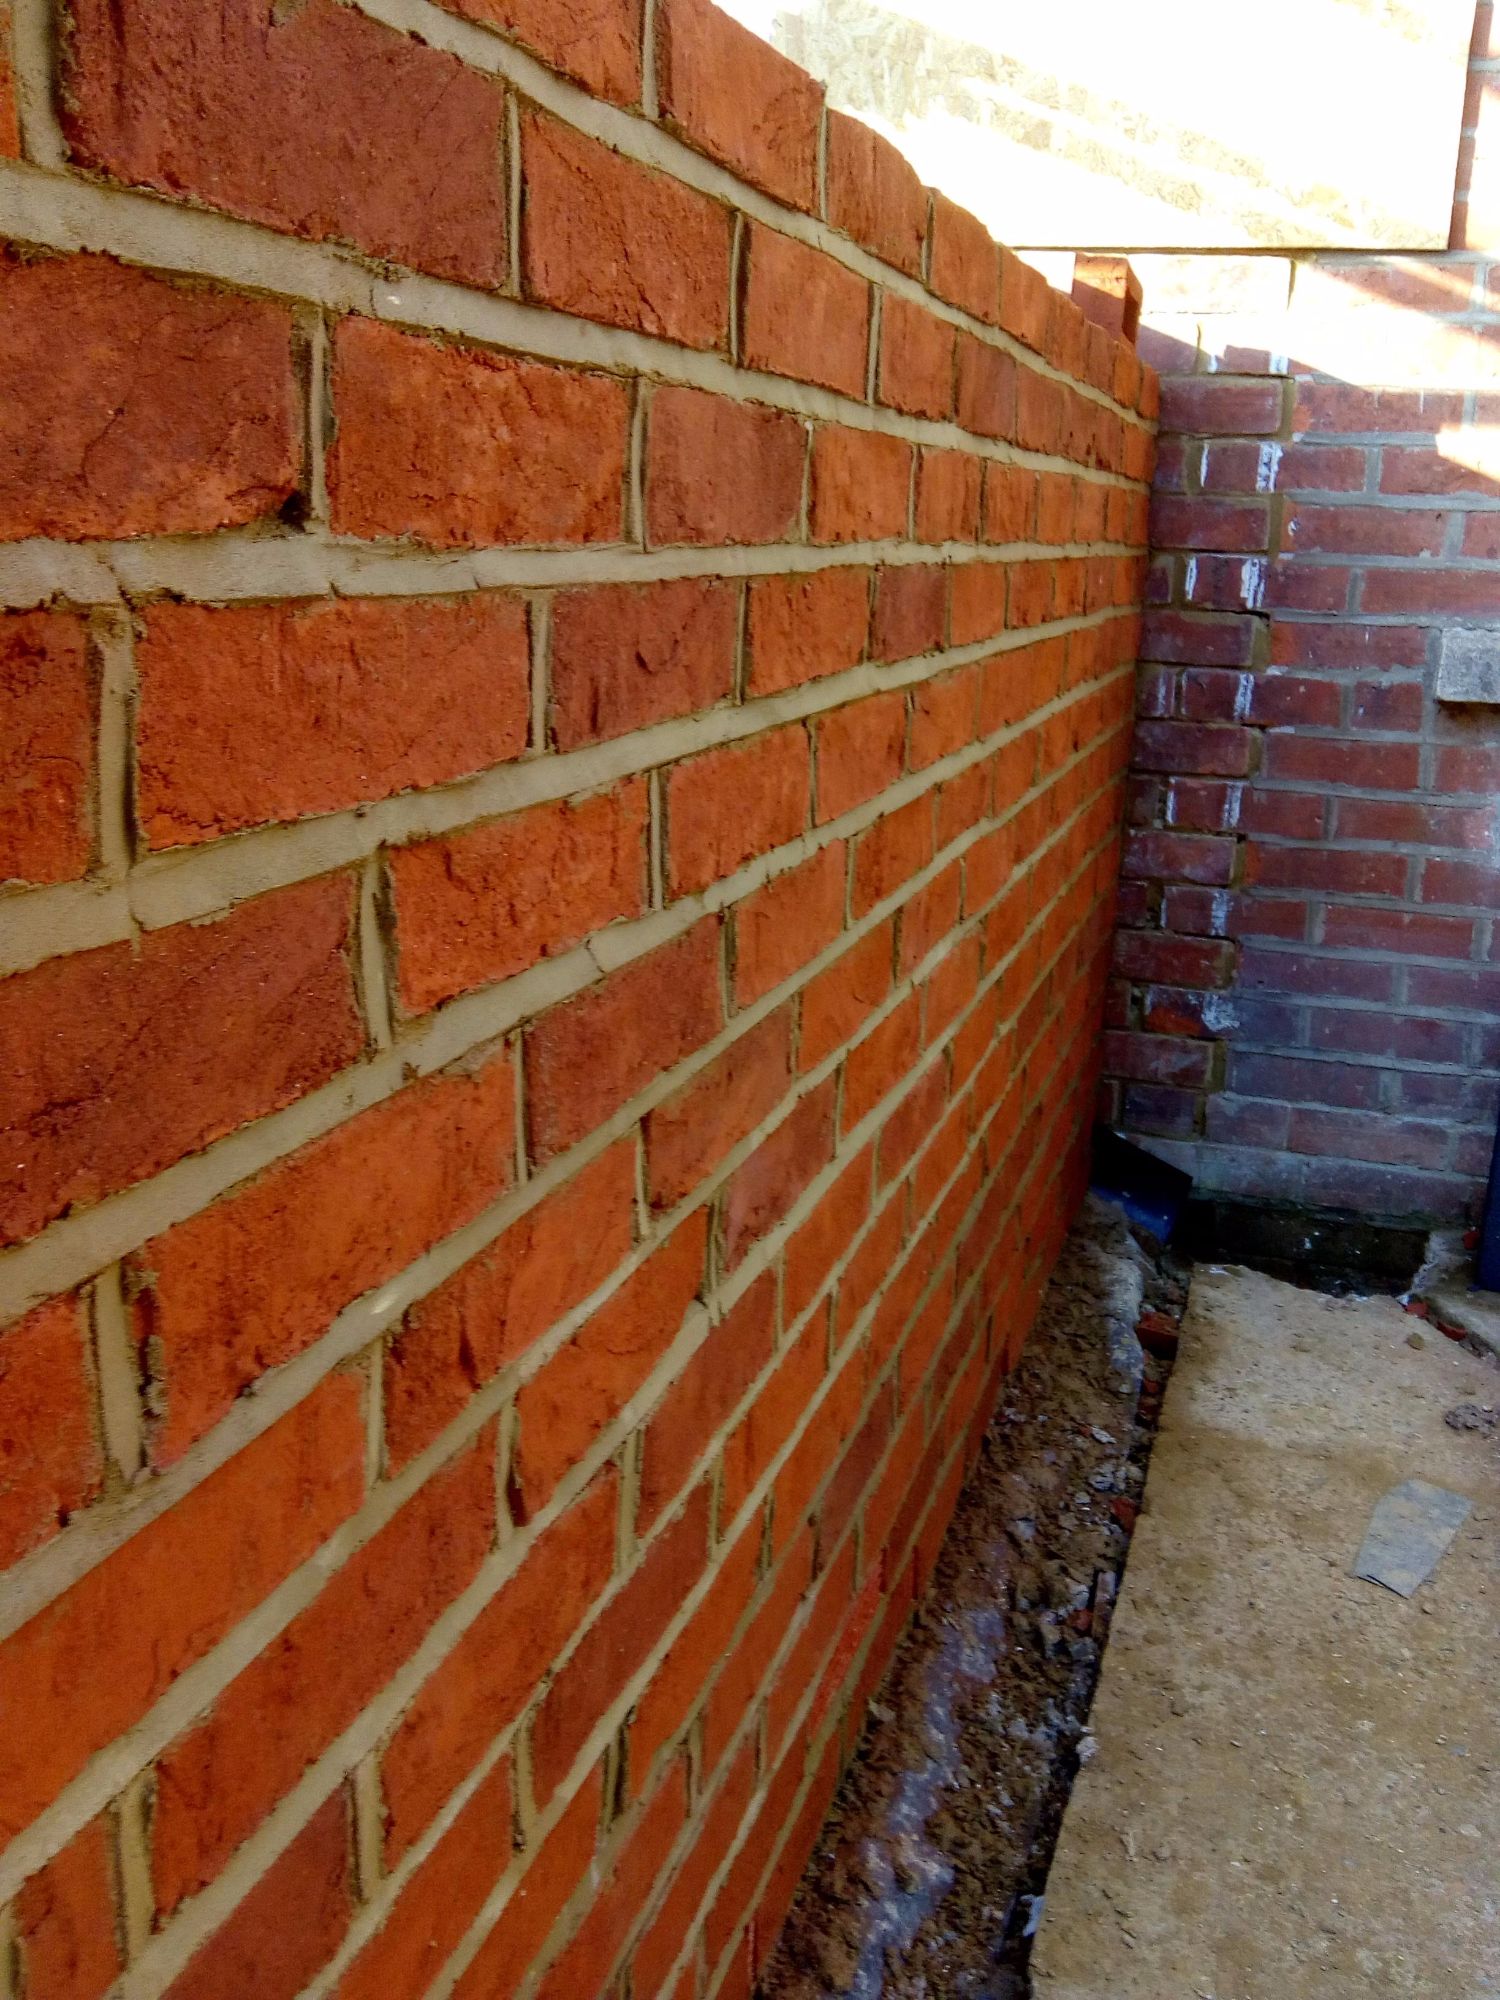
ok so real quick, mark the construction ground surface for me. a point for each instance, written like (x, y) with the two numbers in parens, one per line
(1294, 1785)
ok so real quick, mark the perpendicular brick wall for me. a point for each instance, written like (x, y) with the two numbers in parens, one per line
(1308, 965)
(566, 666)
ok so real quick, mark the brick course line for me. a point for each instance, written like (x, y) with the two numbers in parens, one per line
(171, 1948)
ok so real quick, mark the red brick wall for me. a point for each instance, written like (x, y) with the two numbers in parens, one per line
(1307, 1002)
(564, 723)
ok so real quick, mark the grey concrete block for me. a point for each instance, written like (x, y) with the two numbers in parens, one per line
(1469, 666)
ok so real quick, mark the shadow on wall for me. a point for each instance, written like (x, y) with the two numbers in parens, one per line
(1308, 999)
(1065, 125)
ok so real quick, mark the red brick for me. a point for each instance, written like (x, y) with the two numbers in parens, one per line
(769, 1182)
(824, 1237)
(10, 131)
(779, 927)
(986, 388)
(1231, 525)
(929, 916)
(598, 42)
(1339, 407)
(490, 1675)
(1025, 301)
(861, 750)
(729, 805)
(1010, 500)
(836, 1004)
(121, 1060)
(690, 1133)
(320, 122)
(627, 655)
(861, 485)
(129, 406)
(703, 1397)
(457, 447)
(218, 1780)
(253, 1280)
(492, 900)
(1204, 748)
(1430, 591)
(612, 240)
(911, 611)
(965, 260)
(668, 1930)
(289, 1925)
(916, 358)
(1040, 412)
(804, 626)
(250, 713)
(50, 1461)
(1325, 760)
(440, 1901)
(1216, 406)
(630, 1875)
(980, 594)
(95, 1660)
(721, 471)
(890, 853)
(734, 97)
(494, 1307)
(586, 1384)
(503, 1959)
(874, 193)
(805, 314)
(587, 1057)
(615, 1645)
(65, 1922)
(1425, 469)
(48, 703)
(948, 487)
(1351, 530)
(943, 716)
(773, 1416)
(678, 1682)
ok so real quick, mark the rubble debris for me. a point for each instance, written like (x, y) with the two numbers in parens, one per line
(1410, 1531)
(931, 1872)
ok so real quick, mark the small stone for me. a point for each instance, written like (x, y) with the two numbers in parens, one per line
(1415, 1340)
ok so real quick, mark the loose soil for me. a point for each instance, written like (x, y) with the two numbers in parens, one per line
(926, 1882)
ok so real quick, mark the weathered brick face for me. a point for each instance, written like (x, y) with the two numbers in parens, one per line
(563, 724)
(1306, 985)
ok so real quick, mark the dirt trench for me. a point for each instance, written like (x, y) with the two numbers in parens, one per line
(926, 1882)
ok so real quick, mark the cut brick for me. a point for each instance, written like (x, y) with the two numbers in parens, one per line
(65, 1924)
(254, 713)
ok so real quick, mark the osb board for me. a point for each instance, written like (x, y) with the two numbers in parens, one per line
(1168, 125)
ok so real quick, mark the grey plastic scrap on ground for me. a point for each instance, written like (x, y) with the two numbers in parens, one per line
(1409, 1533)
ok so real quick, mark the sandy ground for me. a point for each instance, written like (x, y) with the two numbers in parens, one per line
(1296, 1789)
